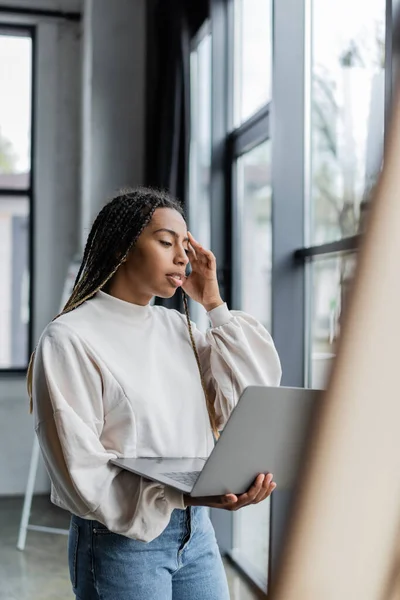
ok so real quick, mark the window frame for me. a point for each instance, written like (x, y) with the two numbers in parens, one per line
(240, 141)
(228, 144)
(196, 41)
(7, 28)
(305, 255)
(286, 120)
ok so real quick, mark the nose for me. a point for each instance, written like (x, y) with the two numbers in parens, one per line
(181, 257)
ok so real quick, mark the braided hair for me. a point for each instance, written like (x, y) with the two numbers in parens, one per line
(114, 232)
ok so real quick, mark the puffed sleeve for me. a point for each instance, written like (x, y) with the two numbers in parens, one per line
(237, 351)
(82, 421)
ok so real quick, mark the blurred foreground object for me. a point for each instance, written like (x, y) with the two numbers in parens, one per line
(344, 539)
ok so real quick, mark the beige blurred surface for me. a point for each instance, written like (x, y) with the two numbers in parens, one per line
(343, 540)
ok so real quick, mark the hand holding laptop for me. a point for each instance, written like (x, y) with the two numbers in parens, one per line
(266, 432)
(261, 489)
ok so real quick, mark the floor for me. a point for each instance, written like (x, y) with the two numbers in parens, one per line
(40, 572)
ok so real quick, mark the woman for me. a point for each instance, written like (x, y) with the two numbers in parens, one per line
(114, 376)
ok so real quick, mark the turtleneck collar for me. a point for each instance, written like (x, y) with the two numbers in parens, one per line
(118, 306)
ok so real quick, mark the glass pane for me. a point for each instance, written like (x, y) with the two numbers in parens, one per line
(200, 155)
(251, 540)
(255, 249)
(14, 277)
(348, 97)
(331, 279)
(253, 280)
(253, 56)
(15, 110)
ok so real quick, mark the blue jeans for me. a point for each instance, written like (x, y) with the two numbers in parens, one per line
(183, 563)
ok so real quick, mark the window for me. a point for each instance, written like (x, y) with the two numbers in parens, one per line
(331, 279)
(348, 99)
(200, 150)
(15, 195)
(348, 107)
(255, 247)
(249, 157)
(290, 187)
(251, 540)
(252, 250)
(253, 56)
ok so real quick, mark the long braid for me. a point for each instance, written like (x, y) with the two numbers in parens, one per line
(88, 247)
(88, 283)
(91, 278)
(210, 404)
(113, 234)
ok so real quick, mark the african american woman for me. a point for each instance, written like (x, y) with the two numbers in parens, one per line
(114, 375)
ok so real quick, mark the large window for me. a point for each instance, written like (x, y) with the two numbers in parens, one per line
(331, 280)
(298, 106)
(253, 56)
(251, 541)
(252, 253)
(200, 149)
(254, 204)
(348, 99)
(15, 195)
(348, 107)
(249, 157)
(230, 199)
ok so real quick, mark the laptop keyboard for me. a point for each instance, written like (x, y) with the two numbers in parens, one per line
(188, 478)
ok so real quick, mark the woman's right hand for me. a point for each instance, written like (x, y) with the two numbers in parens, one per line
(261, 489)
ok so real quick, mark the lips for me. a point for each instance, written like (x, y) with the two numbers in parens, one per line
(176, 279)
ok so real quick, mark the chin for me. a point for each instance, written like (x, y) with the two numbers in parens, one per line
(166, 293)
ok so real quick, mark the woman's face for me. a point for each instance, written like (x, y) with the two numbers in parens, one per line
(157, 263)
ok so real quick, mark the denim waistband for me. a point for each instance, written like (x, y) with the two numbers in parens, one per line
(186, 519)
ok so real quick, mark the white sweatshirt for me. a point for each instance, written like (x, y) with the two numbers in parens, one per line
(116, 379)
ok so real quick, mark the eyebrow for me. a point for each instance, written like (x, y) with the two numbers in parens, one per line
(172, 232)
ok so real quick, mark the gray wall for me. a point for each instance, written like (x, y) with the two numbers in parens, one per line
(56, 234)
(113, 101)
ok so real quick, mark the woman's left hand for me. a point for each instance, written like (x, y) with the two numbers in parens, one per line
(261, 489)
(202, 283)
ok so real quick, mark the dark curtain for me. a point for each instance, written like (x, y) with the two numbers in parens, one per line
(171, 27)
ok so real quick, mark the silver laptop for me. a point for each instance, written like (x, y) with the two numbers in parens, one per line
(265, 433)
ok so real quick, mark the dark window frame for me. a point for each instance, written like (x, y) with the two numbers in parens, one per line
(31, 32)
(291, 282)
(228, 144)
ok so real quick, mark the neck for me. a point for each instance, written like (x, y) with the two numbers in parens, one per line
(119, 288)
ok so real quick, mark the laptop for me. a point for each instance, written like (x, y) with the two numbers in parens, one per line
(266, 433)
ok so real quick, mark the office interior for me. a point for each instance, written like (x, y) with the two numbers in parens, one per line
(266, 118)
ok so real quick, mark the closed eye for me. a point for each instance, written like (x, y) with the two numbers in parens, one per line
(168, 244)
